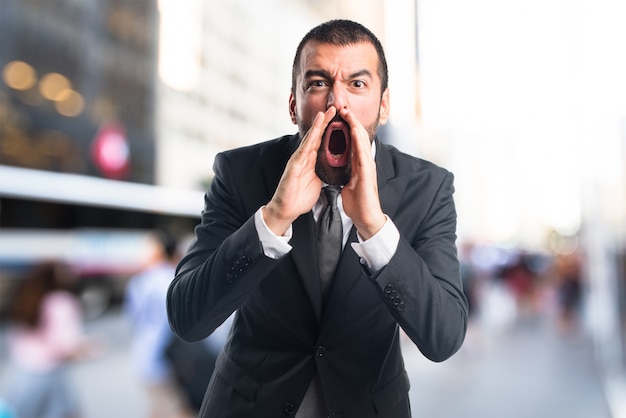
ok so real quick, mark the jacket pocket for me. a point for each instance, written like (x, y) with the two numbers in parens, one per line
(392, 393)
(237, 377)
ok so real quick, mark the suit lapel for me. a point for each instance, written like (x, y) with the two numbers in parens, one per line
(390, 190)
(304, 254)
(390, 187)
(273, 170)
(304, 251)
(345, 278)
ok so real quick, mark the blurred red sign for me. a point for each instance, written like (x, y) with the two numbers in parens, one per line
(110, 152)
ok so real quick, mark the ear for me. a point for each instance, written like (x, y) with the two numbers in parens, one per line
(292, 109)
(383, 116)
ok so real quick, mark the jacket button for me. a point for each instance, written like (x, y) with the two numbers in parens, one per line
(320, 351)
(289, 409)
(388, 289)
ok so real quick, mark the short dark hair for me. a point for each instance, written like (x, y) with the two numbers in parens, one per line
(168, 242)
(342, 32)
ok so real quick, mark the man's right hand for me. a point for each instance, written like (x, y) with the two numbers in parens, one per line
(299, 187)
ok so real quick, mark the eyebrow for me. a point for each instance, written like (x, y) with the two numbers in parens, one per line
(324, 74)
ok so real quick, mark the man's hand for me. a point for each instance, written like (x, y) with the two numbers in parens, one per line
(360, 196)
(299, 187)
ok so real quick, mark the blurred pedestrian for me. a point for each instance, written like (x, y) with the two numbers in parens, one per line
(45, 334)
(521, 281)
(146, 311)
(193, 363)
(569, 289)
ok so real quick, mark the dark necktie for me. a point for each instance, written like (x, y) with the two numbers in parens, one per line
(329, 237)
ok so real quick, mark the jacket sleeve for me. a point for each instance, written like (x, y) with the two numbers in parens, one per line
(421, 285)
(215, 277)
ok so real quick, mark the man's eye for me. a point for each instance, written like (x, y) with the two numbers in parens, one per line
(358, 84)
(316, 84)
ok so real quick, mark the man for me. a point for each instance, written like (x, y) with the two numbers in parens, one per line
(300, 346)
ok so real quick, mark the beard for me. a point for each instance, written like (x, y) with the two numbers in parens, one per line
(336, 174)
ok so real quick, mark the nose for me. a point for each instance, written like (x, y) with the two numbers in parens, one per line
(337, 97)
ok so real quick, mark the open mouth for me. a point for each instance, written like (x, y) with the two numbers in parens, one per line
(337, 143)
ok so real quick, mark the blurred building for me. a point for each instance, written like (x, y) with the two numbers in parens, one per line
(77, 138)
(225, 74)
(149, 91)
(77, 96)
(78, 86)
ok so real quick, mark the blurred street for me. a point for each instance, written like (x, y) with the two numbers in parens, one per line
(526, 371)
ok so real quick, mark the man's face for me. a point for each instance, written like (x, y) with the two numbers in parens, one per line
(344, 77)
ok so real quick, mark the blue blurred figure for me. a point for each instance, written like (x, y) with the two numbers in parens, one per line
(5, 410)
(146, 311)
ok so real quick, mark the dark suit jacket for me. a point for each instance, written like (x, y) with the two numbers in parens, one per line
(282, 334)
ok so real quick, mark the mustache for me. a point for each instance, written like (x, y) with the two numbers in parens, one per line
(338, 118)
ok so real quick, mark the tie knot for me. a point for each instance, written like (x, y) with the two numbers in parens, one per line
(331, 195)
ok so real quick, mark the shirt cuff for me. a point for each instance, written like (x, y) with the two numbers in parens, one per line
(274, 246)
(377, 251)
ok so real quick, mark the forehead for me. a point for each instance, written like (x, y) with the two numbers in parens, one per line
(339, 58)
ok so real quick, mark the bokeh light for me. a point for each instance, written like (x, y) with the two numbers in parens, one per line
(19, 75)
(69, 103)
(53, 86)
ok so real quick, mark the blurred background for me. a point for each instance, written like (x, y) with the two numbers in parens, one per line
(111, 112)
